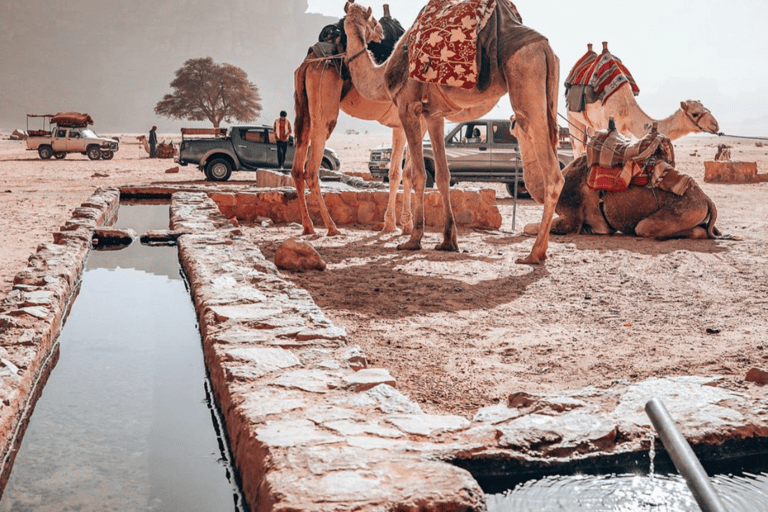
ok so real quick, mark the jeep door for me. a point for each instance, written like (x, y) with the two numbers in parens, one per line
(75, 141)
(505, 158)
(59, 140)
(252, 147)
(467, 150)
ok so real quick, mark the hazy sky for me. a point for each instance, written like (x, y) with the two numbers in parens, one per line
(716, 52)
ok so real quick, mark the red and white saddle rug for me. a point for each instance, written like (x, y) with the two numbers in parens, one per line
(442, 47)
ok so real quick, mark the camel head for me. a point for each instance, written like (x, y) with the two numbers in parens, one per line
(700, 116)
(362, 21)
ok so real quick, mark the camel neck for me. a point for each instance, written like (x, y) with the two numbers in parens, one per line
(367, 77)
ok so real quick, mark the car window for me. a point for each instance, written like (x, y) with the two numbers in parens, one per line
(75, 135)
(61, 133)
(501, 133)
(475, 133)
(253, 135)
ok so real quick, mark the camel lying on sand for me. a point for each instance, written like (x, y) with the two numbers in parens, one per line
(641, 211)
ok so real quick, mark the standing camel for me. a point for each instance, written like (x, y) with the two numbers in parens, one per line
(521, 63)
(691, 117)
(320, 92)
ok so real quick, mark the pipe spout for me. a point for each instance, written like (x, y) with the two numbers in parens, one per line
(683, 457)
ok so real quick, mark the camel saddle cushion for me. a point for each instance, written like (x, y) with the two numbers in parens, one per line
(71, 119)
(442, 45)
(616, 162)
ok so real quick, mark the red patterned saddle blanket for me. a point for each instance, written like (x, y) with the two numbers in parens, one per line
(605, 73)
(442, 45)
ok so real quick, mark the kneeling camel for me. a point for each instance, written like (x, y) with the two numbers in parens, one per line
(641, 211)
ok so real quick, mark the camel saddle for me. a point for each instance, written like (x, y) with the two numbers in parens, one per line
(448, 48)
(616, 162)
(596, 77)
(332, 41)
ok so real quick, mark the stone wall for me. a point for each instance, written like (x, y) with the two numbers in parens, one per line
(31, 317)
(472, 208)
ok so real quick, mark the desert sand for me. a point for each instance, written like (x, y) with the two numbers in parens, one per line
(463, 330)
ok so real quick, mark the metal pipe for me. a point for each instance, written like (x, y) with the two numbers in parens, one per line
(683, 457)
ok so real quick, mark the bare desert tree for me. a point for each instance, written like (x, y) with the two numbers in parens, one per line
(204, 90)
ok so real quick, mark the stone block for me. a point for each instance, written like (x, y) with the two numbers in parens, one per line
(732, 172)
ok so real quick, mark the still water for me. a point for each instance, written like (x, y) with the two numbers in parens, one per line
(124, 421)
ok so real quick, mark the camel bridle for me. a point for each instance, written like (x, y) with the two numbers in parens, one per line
(696, 121)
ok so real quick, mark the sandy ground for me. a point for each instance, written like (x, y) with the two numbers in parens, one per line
(463, 330)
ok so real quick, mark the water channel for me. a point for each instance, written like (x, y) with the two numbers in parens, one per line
(124, 422)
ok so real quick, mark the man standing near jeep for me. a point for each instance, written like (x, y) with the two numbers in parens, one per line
(153, 142)
(282, 132)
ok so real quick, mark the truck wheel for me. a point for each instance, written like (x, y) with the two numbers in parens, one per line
(60, 155)
(93, 152)
(325, 164)
(218, 169)
(45, 152)
(107, 154)
(522, 192)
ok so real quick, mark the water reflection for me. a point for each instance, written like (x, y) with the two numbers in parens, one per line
(122, 423)
(628, 493)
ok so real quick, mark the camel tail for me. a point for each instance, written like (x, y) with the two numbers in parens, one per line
(712, 231)
(553, 80)
(301, 124)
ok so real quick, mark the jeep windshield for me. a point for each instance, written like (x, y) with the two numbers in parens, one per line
(89, 134)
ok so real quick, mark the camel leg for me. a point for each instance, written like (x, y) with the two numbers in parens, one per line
(409, 116)
(297, 173)
(406, 215)
(395, 173)
(532, 76)
(323, 110)
(666, 223)
(435, 125)
(579, 136)
(312, 176)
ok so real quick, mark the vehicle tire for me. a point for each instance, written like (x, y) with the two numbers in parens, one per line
(325, 164)
(218, 169)
(107, 154)
(60, 155)
(522, 192)
(45, 152)
(430, 168)
(93, 152)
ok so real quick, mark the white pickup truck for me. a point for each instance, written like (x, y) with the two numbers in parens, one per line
(62, 134)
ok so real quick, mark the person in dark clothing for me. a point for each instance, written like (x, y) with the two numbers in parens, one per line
(282, 129)
(153, 142)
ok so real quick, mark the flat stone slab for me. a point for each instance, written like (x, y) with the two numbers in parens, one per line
(732, 172)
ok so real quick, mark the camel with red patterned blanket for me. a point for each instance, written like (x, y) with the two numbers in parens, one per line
(521, 63)
(691, 117)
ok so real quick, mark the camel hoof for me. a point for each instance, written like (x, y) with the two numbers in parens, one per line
(308, 231)
(386, 228)
(530, 260)
(334, 232)
(409, 246)
(447, 246)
